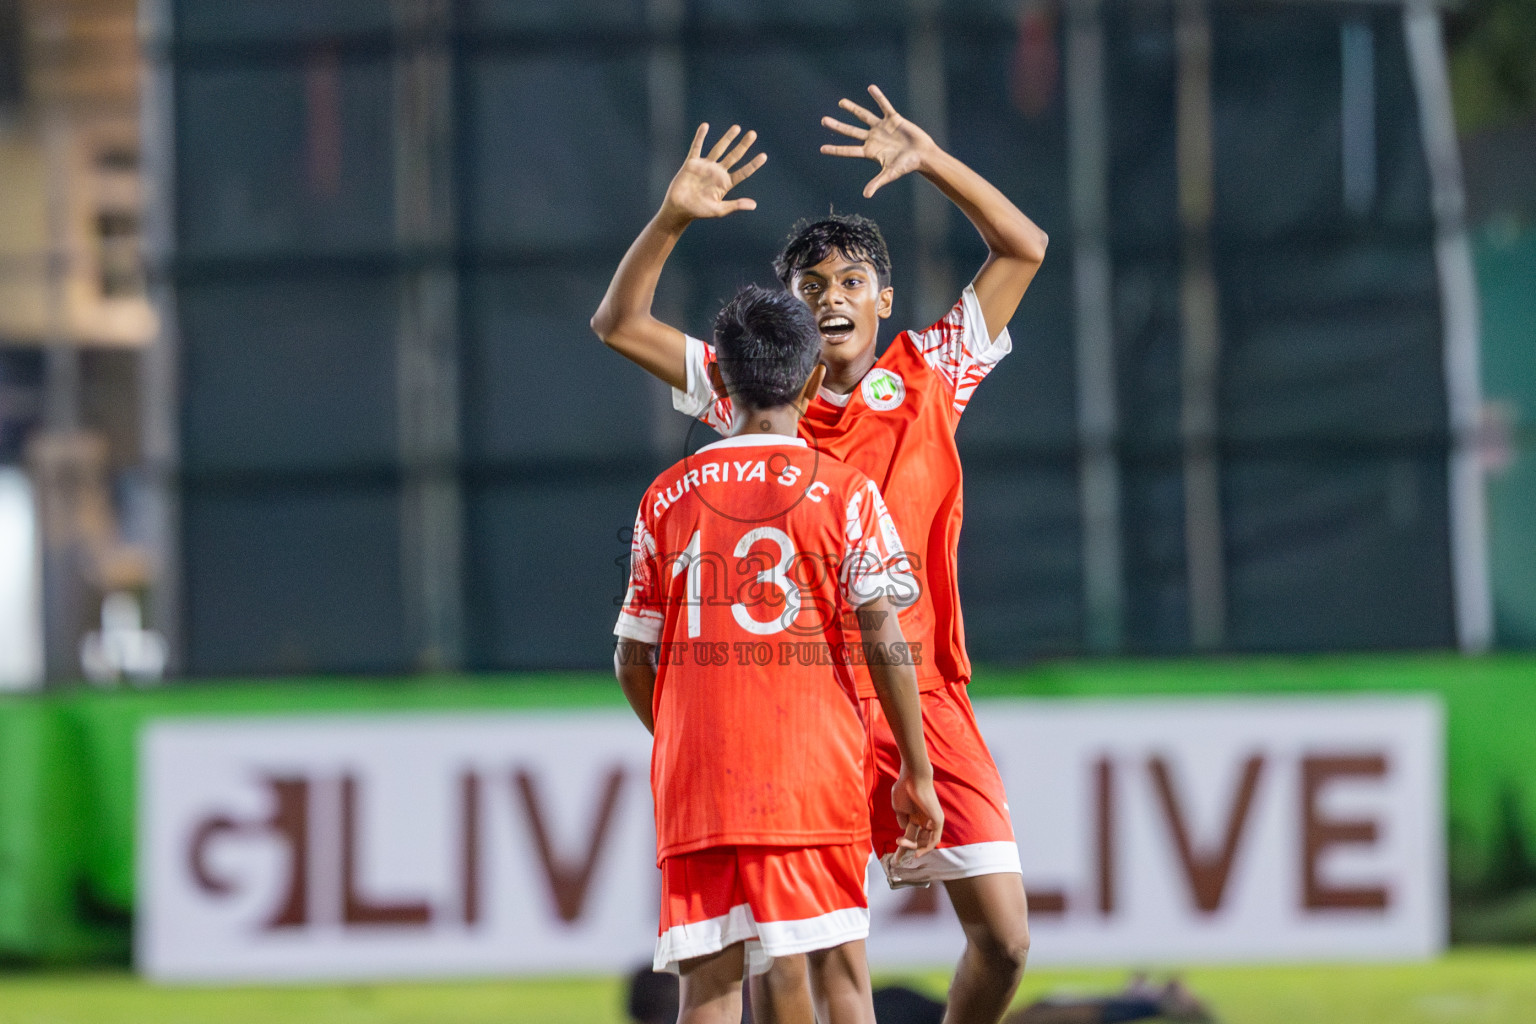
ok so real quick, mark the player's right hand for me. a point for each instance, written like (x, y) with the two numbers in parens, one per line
(917, 812)
(699, 188)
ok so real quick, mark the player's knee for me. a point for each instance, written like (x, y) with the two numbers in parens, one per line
(1004, 950)
(786, 974)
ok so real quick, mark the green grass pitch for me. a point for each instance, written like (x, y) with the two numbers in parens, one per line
(1470, 986)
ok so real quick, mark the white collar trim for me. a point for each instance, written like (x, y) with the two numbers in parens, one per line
(756, 441)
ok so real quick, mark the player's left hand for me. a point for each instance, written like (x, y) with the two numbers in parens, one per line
(896, 144)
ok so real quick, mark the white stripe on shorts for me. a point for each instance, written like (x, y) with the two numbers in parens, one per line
(764, 940)
(951, 862)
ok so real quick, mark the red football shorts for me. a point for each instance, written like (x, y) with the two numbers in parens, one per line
(978, 832)
(779, 900)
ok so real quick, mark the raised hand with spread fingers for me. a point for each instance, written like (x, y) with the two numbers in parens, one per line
(896, 144)
(1015, 245)
(699, 188)
(697, 192)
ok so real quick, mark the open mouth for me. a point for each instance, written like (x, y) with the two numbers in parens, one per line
(835, 327)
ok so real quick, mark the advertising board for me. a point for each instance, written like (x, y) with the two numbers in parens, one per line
(1151, 831)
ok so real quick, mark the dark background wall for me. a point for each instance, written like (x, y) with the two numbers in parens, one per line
(288, 274)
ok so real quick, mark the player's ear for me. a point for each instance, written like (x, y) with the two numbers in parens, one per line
(812, 385)
(887, 299)
(717, 382)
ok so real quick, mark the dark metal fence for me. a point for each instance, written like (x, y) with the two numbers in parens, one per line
(301, 479)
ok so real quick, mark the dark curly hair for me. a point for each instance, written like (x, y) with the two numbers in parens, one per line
(811, 241)
(768, 344)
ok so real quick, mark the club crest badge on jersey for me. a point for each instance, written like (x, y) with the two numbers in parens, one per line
(883, 390)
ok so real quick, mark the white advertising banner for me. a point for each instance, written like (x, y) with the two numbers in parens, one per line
(1152, 831)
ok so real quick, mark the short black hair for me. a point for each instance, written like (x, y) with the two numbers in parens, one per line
(768, 344)
(811, 241)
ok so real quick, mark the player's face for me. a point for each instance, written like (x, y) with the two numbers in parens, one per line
(846, 297)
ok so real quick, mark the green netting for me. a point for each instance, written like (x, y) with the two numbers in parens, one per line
(1506, 277)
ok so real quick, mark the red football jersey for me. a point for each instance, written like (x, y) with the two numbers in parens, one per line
(898, 427)
(746, 563)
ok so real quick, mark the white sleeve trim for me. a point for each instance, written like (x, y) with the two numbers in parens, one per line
(870, 568)
(870, 587)
(645, 628)
(979, 344)
(696, 401)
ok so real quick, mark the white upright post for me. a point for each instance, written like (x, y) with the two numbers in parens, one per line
(1461, 323)
(1098, 420)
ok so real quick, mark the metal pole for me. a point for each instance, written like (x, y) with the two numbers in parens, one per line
(1199, 312)
(61, 356)
(59, 455)
(1357, 115)
(160, 390)
(666, 81)
(427, 349)
(1460, 318)
(1097, 413)
(928, 106)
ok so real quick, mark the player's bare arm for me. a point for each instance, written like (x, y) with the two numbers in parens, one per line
(698, 191)
(890, 669)
(1015, 245)
(634, 665)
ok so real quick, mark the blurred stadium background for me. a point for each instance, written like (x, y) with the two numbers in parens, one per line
(299, 408)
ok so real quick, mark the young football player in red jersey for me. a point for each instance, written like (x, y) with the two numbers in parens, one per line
(894, 418)
(749, 563)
